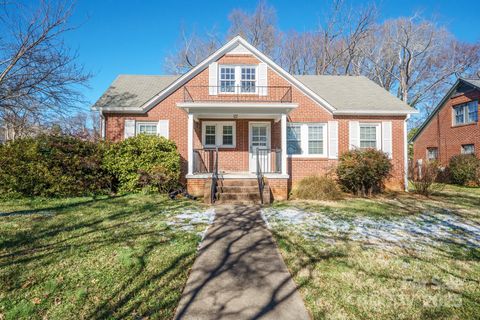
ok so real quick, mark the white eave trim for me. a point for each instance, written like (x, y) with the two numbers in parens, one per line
(235, 41)
(246, 105)
(119, 110)
(374, 113)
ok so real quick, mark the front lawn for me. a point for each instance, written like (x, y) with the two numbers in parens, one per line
(398, 256)
(118, 257)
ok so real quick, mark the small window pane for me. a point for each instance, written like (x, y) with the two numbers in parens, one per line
(210, 133)
(368, 136)
(468, 149)
(459, 115)
(473, 111)
(248, 79)
(315, 139)
(432, 153)
(147, 128)
(293, 140)
(227, 79)
(227, 138)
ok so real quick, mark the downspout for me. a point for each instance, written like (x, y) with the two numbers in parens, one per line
(405, 152)
(103, 126)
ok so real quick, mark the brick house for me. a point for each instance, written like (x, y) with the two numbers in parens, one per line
(452, 128)
(242, 114)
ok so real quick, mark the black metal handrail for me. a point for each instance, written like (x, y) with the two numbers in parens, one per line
(260, 177)
(204, 160)
(281, 94)
(213, 190)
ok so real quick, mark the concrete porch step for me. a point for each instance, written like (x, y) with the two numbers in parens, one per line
(237, 189)
(237, 182)
(238, 196)
(238, 202)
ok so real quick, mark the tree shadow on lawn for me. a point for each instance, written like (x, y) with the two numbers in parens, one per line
(152, 282)
(307, 252)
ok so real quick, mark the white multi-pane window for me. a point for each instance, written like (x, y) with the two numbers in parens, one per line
(227, 79)
(238, 79)
(432, 153)
(148, 128)
(307, 139)
(465, 113)
(315, 139)
(220, 134)
(210, 135)
(227, 135)
(248, 80)
(294, 139)
(369, 136)
(468, 149)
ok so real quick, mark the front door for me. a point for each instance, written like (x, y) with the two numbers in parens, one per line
(259, 138)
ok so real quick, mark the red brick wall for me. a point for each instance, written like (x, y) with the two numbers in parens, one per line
(237, 159)
(442, 134)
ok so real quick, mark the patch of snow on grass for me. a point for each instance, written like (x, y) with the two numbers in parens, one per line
(426, 229)
(188, 219)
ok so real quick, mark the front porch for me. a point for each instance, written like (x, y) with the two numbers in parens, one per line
(232, 142)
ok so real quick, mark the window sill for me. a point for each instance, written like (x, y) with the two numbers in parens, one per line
(464, 124)
(219, 147)
(307, 157)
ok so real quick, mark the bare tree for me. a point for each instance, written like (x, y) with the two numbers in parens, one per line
(191, 50)
(39, 75)
(259, 28)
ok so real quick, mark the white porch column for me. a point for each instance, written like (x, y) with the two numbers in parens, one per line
(284, 143)
(190, 143)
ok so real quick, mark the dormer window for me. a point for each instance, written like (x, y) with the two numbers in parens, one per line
(237, 79)
(227, 79)
(248, 81)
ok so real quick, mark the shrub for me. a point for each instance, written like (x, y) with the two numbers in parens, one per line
(145, 157)
(52, 165)
(317, 188)
(464, 169)
(363, 172)
(424, 177)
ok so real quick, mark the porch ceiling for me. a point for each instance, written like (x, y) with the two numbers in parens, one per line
(237, 110)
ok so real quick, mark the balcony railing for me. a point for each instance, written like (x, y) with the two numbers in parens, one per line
(278, 94)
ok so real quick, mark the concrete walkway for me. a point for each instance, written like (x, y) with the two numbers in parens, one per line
(239, 273)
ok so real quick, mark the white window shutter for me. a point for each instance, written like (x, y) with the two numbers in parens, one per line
(162, 128)
(213, 78)
(333, 139)
(262, 81)
(387, 138)
(354, 134)
(129, 129)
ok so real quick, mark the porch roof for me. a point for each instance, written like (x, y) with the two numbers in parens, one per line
(237, 110)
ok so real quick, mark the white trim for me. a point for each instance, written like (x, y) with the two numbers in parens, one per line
(190, 143)
(284, 142)
(217, 54)
(332, 139)
(268, 125)
(387, 138)
(237, 176)
(237, 78)
(367, 112)
(304, 140)
(219, 133)
(146, 123)
(405, 152)
(378, 133)
(243, 105)
(129, 128)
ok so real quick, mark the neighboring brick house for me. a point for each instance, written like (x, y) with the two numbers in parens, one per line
(452, 128)
(240, 101)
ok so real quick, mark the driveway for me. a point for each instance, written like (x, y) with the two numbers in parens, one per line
(239, 273)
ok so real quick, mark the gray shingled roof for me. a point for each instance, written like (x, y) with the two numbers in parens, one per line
(132, 91)
(344, 93)
(354, 93)
(473, 82)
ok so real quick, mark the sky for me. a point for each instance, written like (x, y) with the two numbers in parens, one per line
(134, 37)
